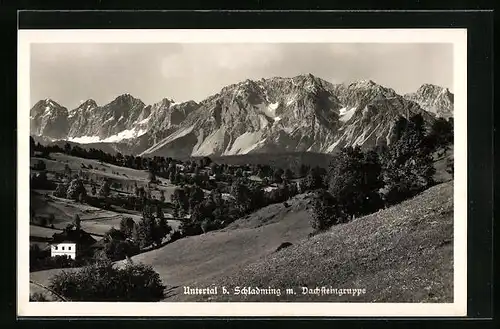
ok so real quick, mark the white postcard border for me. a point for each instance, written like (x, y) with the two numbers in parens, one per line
(458, 37)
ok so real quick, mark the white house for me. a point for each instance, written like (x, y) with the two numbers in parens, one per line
(63, 248)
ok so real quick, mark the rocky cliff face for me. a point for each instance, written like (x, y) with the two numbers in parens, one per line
(434, 99)
(303, 113)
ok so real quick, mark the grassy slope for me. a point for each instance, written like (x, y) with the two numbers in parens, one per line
(94, 220)
(401, 254)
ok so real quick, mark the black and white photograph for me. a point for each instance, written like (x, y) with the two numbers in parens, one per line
(281, 172)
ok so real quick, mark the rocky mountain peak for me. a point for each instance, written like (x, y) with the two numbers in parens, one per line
(435, 99)
(126, 99)
(88, 105)
(428, 89)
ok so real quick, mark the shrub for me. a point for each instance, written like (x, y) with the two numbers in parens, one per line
(104, 282)
(283, 246)
(38, 297)
(176, 235)
(40, 165)
(39, 181)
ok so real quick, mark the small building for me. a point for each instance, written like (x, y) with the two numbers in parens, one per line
(70, 242)
(63, 248)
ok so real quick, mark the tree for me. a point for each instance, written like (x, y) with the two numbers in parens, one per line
(67, 148)
(127, 226)
(205, 162)
(40, 165)
(77, 221)
(146, 228)
(105, 189)
(93, 190)
(51, 219)
(241, 194)
(152, 176)
(278, 175)
(314, 180)
(163, 228)
(325, 212)
(32, 146)
(408, 168)
(450, 167)
(67, 171)
(441, 134)
(288, 174)
(43, 221)
(76, 189)
(180, 199)
(61, 190)
(303, 170)
(205, 225)
(119, 249)
(195, 196)
(355, 180)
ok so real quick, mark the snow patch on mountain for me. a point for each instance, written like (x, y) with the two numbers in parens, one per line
(345, 114)
(85, 139)
(121, 136)
(273, 106)
(125, 134)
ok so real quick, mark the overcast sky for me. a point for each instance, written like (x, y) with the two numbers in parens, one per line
(71, 73)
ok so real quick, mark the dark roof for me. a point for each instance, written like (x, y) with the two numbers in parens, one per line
(74, 236)
(63, 241)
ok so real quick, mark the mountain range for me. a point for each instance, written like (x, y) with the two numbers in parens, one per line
(299, 114)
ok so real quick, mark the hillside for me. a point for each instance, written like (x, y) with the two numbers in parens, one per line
(204, 257)
(401, 254)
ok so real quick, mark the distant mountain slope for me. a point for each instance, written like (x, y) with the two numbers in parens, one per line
(299, 114)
